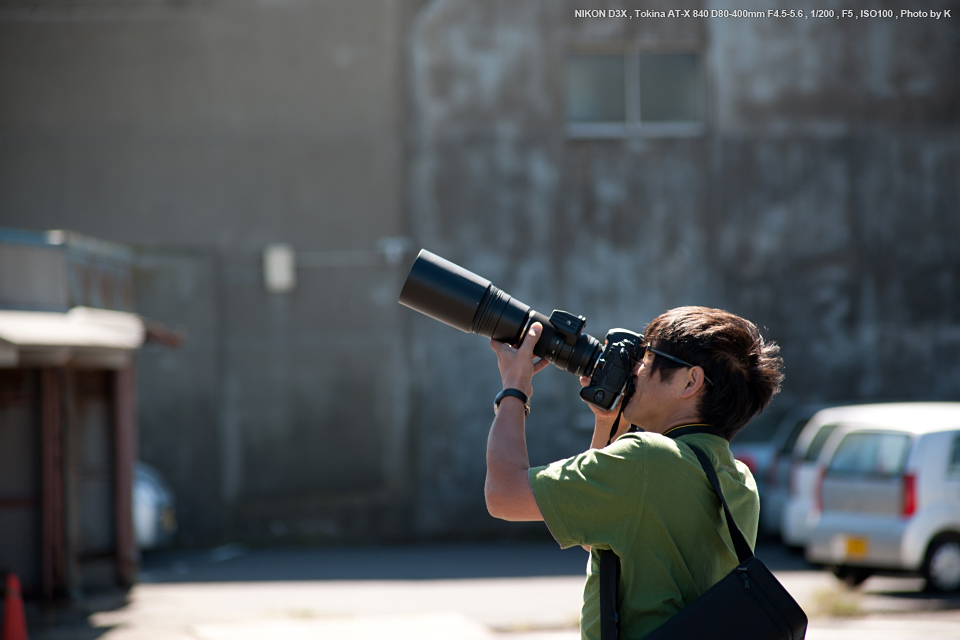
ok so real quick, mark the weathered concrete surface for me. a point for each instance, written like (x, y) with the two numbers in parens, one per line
(199, 132)
(822, 202)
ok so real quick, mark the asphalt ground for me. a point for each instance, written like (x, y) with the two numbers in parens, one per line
(528, 591)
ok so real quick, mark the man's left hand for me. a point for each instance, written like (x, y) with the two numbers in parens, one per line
(518, 366)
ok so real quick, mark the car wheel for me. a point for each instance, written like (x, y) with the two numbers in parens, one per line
(851, 576)
(942, 565)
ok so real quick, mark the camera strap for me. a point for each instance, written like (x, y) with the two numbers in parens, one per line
(627, 394)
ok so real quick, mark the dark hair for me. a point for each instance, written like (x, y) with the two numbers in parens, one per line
(744, 370)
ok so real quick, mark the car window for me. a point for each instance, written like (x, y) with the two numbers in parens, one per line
(791, 440)
(877, 454)
(953, 467)
(813, 451)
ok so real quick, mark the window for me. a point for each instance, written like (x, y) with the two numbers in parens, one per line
(595, 91)
(819, 439)
(670, 88)
(873, 454)
(609, 95)
(791, 439)
(953, 466)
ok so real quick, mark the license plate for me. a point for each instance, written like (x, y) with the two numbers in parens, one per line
(858, 547)
(168, 520)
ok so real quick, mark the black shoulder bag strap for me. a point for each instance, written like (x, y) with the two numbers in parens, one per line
(740, 545)
(610, 562)
(609, 595)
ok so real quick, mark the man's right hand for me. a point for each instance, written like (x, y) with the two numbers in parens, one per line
(603, 420)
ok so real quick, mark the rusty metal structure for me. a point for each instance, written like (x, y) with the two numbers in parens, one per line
(67, 412)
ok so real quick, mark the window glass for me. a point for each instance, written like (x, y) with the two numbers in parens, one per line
(813, 451)
(595, 88)
(645, 89)
(791, 440)
(953, 467)
(882, 454)
(671, 88)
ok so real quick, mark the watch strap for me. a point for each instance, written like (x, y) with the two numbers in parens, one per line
(516, 393)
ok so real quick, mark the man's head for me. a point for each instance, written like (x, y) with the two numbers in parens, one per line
(740, 373)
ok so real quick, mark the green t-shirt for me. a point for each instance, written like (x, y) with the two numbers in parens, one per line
(646, 497)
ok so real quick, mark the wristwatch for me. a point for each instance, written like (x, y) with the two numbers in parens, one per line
(516, 393)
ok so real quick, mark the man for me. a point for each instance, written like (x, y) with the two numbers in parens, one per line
(704, 374)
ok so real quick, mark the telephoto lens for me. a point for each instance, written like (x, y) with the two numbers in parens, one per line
(460, 298)
(449, 293)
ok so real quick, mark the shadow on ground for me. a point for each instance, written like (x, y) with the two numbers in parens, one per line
(69, 619)
(234, 563)
(919, 599)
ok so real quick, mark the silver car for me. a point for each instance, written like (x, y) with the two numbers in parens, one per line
(889, 495)
(775, 483)
(800, 513)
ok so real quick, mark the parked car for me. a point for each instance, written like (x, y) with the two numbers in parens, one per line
(800, 513)
(754, 445)
(154, 511)
(776, 476)
(765, 446)
(890, 495)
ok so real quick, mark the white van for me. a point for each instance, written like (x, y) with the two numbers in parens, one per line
(889, 494)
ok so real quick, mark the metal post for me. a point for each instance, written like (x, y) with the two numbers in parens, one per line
(125, 439)
(51, 469)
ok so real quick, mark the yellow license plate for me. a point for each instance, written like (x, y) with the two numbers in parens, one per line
(168, 520)
(858, 547)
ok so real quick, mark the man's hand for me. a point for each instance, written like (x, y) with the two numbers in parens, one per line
(518, 366)
(603, 421)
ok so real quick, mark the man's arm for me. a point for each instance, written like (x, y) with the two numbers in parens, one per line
(507, 488)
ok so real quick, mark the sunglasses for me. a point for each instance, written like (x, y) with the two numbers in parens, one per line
(657, 352)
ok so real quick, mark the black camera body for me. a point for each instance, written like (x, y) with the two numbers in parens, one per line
(614, 370)
(457, 297)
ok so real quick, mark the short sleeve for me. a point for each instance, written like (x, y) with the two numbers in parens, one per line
(589, 498)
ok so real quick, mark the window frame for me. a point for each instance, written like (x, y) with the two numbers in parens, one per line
(633, 126)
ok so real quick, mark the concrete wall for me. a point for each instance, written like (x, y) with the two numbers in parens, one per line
(822, 202)
(838, 172)
(199, 132)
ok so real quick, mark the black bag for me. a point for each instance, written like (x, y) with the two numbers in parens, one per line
(748, 603)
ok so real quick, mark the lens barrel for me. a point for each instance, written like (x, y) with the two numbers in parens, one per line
(449, 293)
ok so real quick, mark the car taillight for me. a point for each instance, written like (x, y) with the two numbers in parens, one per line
(748, 460)
(818, 490)
(909, 495)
